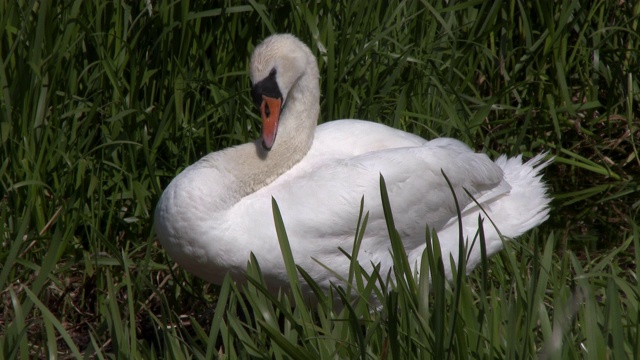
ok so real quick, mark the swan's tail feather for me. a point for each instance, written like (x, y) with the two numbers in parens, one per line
(527, 204)
(506, 216)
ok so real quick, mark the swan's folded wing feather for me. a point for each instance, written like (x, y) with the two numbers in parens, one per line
(320, 201)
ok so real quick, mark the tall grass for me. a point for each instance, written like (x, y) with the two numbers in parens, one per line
(102, 103)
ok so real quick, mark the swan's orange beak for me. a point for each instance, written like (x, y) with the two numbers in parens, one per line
(270, 113)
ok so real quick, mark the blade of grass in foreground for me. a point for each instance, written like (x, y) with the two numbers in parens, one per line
(217, 322)
(51, 319)
(287, 255)
(15, 333)
(404, 274)
(292, 273)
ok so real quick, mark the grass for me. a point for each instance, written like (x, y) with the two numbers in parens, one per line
(102, 103)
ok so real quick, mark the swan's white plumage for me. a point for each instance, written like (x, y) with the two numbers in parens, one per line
(218, 210)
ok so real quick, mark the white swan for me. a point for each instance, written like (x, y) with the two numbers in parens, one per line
(218, 210)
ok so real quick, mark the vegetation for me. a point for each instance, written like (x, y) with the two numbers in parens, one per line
(103, 102)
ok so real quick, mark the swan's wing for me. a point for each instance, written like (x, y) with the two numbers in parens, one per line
(319, 201)
(414, 178)
(347, 138)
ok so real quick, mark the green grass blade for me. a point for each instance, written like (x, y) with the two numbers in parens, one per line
(51, 320)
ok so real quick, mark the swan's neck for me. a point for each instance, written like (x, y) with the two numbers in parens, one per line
(249, 167)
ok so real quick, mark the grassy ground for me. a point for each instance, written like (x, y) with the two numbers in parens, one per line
(102, 103)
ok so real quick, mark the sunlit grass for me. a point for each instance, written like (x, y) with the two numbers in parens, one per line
(103, 103)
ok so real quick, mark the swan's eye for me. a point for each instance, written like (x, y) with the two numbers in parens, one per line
(267, 112)
(266, 87)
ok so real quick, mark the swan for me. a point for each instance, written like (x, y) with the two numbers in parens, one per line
(218, 211)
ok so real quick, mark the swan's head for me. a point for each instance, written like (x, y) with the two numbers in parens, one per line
(276, 66)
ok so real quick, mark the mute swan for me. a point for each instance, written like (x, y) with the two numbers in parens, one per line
(218, 210)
